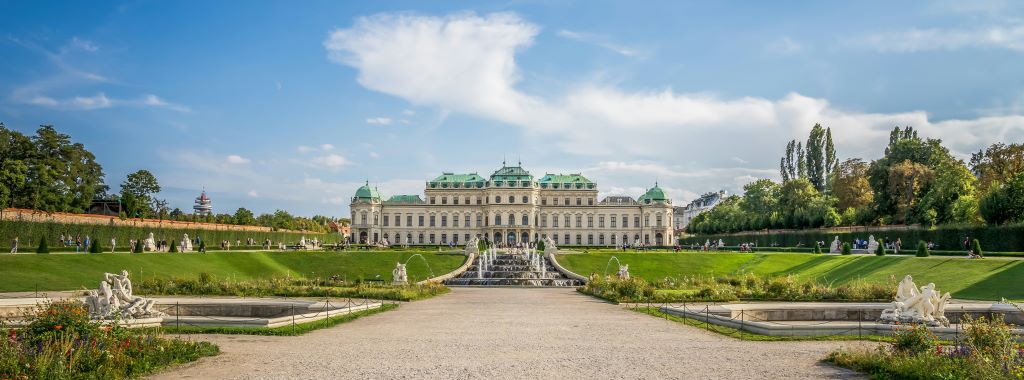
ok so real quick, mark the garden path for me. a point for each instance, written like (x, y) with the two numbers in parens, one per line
(510, 333)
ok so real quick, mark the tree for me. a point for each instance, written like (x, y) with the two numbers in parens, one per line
(12, 179)
(953, 182)
(795, 198)
(846, 249)
(137, 193)
(906, 181)
(244, 217)
(997, 164)
(850, 185)
(801, 161)
(815, 157)
(1004, 203)
(760, 198)
(904, 145)
(922, 249)
(831, 160)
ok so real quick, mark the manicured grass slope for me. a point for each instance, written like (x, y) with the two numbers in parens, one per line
(67, 272)
(987, 279)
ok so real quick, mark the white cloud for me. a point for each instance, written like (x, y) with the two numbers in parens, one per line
(374, 155)
(253, 194)
(304, 149)
(912, 40)
(408, 112)
(44, 101)
(333, 161)
(326, 147)
(783, 46)
(84, 45)
(100, 101)
(238, 160)
(153, 100)
(378, 121)
(465, 63)
(601, 41)
(90, 102)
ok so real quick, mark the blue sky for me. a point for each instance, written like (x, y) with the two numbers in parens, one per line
(273, 105)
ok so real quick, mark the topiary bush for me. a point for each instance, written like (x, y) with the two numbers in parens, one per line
(922, 249)
(976, 248)
(880, 251)
(173, 247)
(43, 248)
(95, 246)
(817, 248)
(138, 246)
(846, 249)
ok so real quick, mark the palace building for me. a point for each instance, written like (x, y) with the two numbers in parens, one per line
(511, 206)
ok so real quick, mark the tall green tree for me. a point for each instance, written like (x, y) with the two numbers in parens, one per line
(997, 164)
(244, 217)
(137, 193)
(831, 160)
(801, 161)
(815, 157)
(850, 185)
(1004, 203)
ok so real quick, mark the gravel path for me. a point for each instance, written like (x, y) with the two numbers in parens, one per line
(510, 333)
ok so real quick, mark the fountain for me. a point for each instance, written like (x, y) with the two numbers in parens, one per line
(424, 259)
(610, 263)
(511, 267)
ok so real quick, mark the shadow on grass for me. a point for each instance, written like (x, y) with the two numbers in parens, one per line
(1003, 284)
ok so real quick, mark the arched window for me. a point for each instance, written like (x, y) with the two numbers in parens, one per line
(497, 219)
(526, 220)
(511, 219)
(497, 199)
(526, 199)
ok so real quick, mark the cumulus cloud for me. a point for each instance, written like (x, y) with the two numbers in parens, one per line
(332, 160)
(238, 160)
(378, 121)
(912, 40)
(326, 147)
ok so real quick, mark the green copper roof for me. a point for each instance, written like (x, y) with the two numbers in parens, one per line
(654, 194)
(511, 173)
(366, 192)
(566, 181)
(405, 199)
(463, 178)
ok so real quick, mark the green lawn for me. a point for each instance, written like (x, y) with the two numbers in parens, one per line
(986, 279)
(74, 271)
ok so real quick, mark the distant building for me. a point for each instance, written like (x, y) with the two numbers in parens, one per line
(682, 215)
(512, 206)
(203, 206)
(108, 207)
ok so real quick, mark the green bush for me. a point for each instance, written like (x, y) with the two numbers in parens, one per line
(817, 248)
(976, 248)
(174, 246)
(846, 249)
(880, 251)
(139, 248)
(913, 340)
(922, 249)
(94, 246)
(43, 248)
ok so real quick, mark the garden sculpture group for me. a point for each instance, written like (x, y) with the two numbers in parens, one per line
(473, 246)
(917, 306)
(835, 246)
(398, 275)
(624, 272)
(550, 248)
(114, 300)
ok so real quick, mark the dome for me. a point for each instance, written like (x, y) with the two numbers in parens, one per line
(654, 194)
(366, 192)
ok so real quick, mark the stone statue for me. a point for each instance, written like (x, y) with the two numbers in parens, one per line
(114, 300)
(186, 243)
(150, 243)
(550, 248)
(720, 243)
(398, 275)
(473, 246)
(872, 244)
(624, 272)
(917, 306)
(836, 246)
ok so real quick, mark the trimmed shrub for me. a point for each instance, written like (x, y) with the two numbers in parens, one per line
(174, 247)
(95, 246)
(922, 249)
(139, 247)
(43, 248)
(540, 246)
(880, 251)
(846, 249)
(976, 248)
(817, 248)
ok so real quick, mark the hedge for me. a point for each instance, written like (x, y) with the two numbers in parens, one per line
(34, 231)
(1008, 238)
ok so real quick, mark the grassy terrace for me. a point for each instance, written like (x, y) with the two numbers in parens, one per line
(986, 279)
(74, 271)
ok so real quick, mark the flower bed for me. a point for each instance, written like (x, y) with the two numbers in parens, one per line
(61, 342)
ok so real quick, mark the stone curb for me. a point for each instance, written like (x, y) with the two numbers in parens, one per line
(568, 273)
(452, 274)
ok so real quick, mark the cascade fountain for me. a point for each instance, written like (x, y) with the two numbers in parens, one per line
(525, 267)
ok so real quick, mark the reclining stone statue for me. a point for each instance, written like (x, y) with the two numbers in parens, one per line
(114, 300)
(914, 305)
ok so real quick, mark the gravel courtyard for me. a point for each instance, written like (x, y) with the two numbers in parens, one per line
(510, 333)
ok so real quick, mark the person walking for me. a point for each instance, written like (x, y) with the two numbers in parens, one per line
(113, 244)
(14, 245)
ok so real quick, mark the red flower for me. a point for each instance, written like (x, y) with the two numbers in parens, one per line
(57, 327)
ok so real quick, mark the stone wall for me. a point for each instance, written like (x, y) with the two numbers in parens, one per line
(23, 215)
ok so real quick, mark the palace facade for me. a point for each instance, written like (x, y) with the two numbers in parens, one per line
(512, 206)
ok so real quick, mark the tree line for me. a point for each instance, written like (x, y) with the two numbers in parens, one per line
(916, 181)
(50, 172)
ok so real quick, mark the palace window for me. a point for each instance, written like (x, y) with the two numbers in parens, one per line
(455, 200)
(444, 220)
(497, 219)
(613, 239)
(579, 221)
(647, 239)
(455, 220)
(421, 223)
(555, 200)
(432, 224)
(555, 237)
(444, 238)
(647, 220)
(431, 200)
(567, 239)
(526, 199)
(600, 222)
(526, 220)
(511, 219)
(479, 219)
(613, 221)
(600, 239)
(421, 238)
(579, 201)
(376, 218)
(568, 223)
(590, 201)
(497, 199)
(362, 218)
(567, 201)
(625, 221)
(636, 221)
(386, 219)
(431, 238)
(579, 239)
(444, 200)
(408, 221)
(543, 220)
(658, 220)
(590, 239)
(554, 221)
(478, 200)
(398, 220)
(543, 201)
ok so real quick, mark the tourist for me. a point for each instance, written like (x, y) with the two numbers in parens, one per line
(967, 243)
(87, 243)
(14, 245)
(113, 244)
(898, 245)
